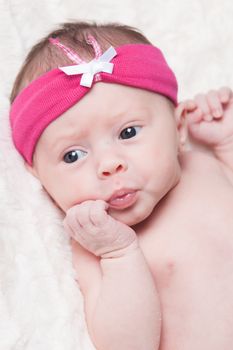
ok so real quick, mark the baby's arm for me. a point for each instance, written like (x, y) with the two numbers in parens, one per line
(210, 122)
(122, 306)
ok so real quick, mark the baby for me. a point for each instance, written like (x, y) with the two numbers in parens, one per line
(95, 116)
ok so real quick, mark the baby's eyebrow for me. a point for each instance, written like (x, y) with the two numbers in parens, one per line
(64, 140)
(79, 134)
(130, 112)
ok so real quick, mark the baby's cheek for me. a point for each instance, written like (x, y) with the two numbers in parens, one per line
(53, 200)
(58, 195)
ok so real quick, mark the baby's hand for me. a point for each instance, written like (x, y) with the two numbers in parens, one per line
(210, 117)
(91, 225)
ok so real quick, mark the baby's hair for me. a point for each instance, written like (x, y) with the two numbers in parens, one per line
(44, 56)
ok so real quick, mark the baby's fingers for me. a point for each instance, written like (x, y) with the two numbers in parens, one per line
(215, 104)
(203, 103)
(190, 105)
(225, 94)
(98, 214)
(73, 228)
(194, 117)
(211, 103)
(189, 109)
(91, 215)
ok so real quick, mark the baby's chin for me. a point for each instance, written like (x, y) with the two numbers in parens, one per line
(129, 217)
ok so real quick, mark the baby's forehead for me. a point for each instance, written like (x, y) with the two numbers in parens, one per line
(110, 105)
(115, 101)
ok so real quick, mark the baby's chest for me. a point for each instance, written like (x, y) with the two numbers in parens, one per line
(193, 245)
(192, 264)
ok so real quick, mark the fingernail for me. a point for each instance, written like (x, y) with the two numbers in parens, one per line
(208, 117)
(224, 98)
(217, 113)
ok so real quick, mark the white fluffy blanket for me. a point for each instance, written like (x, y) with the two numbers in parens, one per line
(41, 306)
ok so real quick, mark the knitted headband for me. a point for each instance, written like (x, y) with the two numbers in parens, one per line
(50, 95)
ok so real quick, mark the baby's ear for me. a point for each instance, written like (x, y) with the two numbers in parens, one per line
(180, 117)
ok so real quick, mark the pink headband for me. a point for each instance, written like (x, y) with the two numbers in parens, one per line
(50, 95)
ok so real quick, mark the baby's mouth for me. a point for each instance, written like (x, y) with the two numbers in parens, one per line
(122, 199)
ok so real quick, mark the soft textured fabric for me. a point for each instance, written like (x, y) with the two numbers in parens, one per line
(41, 305)
(50, 95)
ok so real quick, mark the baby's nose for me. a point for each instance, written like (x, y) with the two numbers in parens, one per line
(111, 166)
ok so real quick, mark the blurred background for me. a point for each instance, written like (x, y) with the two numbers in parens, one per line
(196, 35)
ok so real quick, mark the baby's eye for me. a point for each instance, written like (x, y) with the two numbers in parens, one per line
(74, 155)
(129, 132)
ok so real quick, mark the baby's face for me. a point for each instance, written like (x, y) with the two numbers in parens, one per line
(118, 144)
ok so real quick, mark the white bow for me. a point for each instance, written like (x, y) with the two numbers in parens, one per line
(89, 69)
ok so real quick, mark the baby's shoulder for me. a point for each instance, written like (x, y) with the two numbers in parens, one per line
(204, 175)
(201, 164)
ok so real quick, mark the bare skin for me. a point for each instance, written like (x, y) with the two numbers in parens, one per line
(154, 261)
(191, 265)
